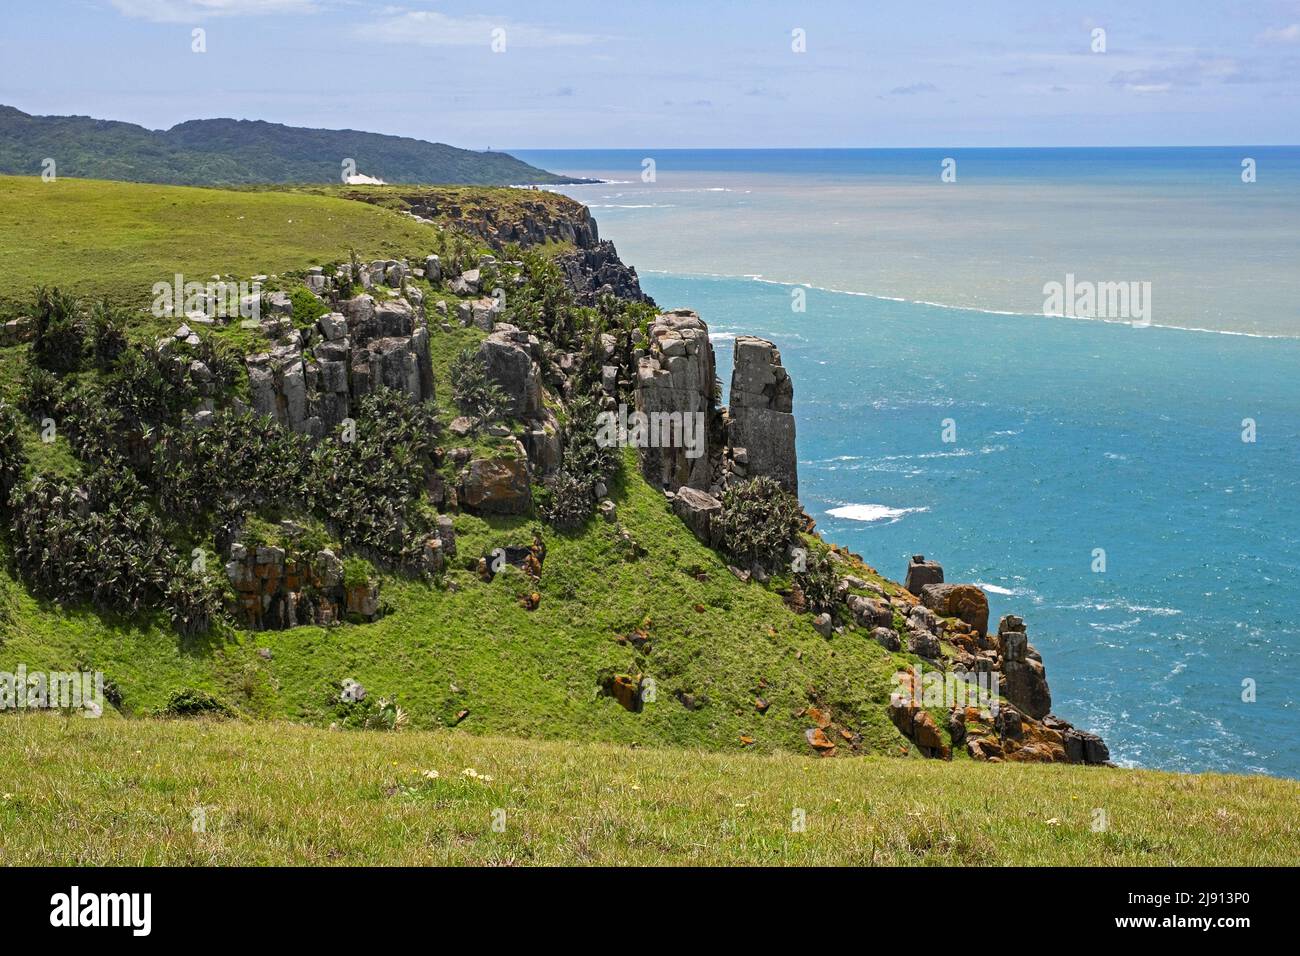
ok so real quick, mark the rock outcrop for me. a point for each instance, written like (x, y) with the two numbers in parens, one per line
(496, 485)
(1024, 679)
(699, 511)
(314, 378)
(966, 602)
(591, 269)
(675, 379)
(1012, 720)
(921, 572)
(509, 357)
(275, 591)
(761, 413)
(597, 270)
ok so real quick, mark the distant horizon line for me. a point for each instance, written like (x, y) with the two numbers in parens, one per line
(629, 149)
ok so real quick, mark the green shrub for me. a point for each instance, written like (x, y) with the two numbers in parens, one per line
(474, 393)
(239, 464)
(193, 601)
(759, 520)
(59, 340)
(98, 542)
(583, 455)
(357, 572)
(357, 710)
(818, 582)
(306, 307)
(566, 500)
(368, 491)
(12, 457)
(42, 390)
(194, 703)
(107, 340)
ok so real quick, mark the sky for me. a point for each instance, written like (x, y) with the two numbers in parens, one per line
(605, 74)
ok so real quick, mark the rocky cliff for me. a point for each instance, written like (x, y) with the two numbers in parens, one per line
(526, 217)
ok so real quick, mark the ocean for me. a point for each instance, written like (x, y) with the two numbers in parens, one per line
(1130, 487)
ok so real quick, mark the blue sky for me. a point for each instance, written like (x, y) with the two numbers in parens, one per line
(884, 73)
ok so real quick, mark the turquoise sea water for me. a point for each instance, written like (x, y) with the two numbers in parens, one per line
(1071, 435)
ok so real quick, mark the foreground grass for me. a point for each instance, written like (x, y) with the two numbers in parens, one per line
(117, 239)
(124, 792)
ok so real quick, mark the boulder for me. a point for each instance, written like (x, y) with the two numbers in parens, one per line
(484, 313)
(1024, 683)
(761, 419)
(467, 283)
(921, 572)
(496, 486)
(699, 511)
(17, 331)
(507, 356)
(924, 644)
(964, 601)
(925, 731)
(869, 612)
(333, 326)
(824, 624)
(886, 637)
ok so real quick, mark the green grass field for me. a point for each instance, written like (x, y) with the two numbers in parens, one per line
(118, 792)
(98, 238)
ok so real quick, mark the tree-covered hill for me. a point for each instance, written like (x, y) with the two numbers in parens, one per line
(241, 152)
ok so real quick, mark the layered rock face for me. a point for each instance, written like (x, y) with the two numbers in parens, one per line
(509, 357)
(596, 271)
(675, 378)
(316, 377)
(1022, 670)
(540, 220)
(496, 485)
(274, 591)
(761, 419)
(592, 268)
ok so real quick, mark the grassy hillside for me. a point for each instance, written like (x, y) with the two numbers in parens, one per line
(117, 239)
(224, 152)
(284, 794)
(531, 673)
(729, 644)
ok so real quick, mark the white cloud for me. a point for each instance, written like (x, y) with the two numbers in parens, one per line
(1289, 34)
(193, 11)
(430, 28)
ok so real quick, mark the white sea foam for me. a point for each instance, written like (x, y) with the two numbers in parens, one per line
(996, 589)
(872, 512)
